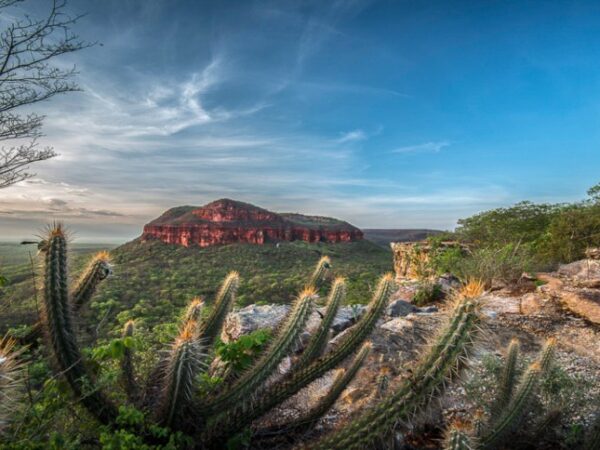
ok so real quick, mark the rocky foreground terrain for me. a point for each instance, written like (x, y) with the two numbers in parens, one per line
(565, 307)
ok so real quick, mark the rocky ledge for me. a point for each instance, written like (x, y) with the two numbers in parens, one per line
(228, 221)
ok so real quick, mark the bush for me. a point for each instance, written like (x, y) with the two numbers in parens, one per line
(428, 293)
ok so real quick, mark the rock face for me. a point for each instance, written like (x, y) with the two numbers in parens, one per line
(228, 221)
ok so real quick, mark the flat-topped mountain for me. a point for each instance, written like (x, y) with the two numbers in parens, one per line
(228, 221)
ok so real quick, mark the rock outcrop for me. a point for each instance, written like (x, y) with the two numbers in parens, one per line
(228, 221)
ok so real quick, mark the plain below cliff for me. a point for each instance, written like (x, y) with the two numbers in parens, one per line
(383, 236)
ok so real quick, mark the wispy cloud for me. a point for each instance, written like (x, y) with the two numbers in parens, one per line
(427, 147)
(352, 136)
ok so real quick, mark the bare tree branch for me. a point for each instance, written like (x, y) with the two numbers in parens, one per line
(27, 77)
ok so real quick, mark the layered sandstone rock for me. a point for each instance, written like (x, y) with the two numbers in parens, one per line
(228, 221)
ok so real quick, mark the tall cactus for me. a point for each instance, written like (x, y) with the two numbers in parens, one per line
(318, 341)
(127, 371)
(319, 273)
(458, 437)
(59, 326)
(182, 367)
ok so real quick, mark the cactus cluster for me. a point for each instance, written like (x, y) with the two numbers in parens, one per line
(514, 396)
(171, 396)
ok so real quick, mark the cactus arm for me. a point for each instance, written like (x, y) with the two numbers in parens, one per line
(546, 357)
(416, 393)
(509, 420)
(58, 324)
(182, 366)
(230, 422)
(507, 380)
(127, 370)
(209, 329)
(318, 341)
(342, 380)
(247, 384)
(319, 273)
(97, 270)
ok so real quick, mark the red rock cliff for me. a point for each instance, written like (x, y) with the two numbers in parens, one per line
(228, 221)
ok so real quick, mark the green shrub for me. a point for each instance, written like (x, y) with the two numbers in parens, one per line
(428, 293)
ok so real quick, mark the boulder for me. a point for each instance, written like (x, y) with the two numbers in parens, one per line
(400, 308)
(251, 318)
(586, 269)
(397, 325)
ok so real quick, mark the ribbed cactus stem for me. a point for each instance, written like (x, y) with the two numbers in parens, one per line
(320, 271)
(546, 357)
(58, 324)
(514, 412)
(592, 441)
(318, 341)
(127, 369)
(97, 270)
(279, 347)
(415, 395)
(459, 438)
(182, 367)
(507, 379)
(210, 328)
(342, 380)
(230, 422)
(11, 381)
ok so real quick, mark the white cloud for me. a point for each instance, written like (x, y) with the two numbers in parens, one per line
(428, 147)
(352, 136)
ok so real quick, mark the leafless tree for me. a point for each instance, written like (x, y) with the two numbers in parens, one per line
(27, 76)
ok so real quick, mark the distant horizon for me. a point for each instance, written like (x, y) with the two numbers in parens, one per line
(393, 115)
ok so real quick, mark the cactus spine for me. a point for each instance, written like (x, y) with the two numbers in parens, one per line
(59, 327)
(318, 341)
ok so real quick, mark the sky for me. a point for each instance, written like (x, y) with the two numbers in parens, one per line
(387, 114)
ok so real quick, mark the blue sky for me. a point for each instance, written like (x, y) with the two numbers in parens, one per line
(387, 114)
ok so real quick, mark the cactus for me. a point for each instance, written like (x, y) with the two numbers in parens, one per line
(229, 422)
(507, 379)
(98, 269)
(127, 373)
(59, 327)
(320, 271)
(277, 350)
(516, 409)
(437, 367)
(11, 380)
(318, 341)
(211, 327)
(458, 438)
(182, 367)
